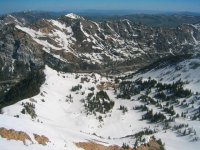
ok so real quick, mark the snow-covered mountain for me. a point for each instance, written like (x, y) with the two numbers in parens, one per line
(74, 16)
(74, 43)
(44, 107)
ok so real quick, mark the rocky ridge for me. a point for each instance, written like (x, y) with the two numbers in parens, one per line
(73, 43)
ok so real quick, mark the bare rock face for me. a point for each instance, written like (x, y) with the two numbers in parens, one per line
(22, 136)
(14, 135)
(95, 146)
(19, 53)
(151, 145)
(41, 139)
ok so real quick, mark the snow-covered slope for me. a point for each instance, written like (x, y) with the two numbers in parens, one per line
(156, 88)
(188, 70)
(61, 115)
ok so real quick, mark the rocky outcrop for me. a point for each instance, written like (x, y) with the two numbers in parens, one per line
(14, 135)
(95, 146)
(106, 85)
(41, 139)
(151, 145)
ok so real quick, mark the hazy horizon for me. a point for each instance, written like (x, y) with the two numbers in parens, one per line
(106, 12)
(9, 6)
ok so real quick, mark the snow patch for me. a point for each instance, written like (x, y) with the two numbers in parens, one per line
(74, 16)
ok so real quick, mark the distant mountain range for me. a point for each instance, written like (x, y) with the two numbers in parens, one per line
(80, 43)
(149, 18)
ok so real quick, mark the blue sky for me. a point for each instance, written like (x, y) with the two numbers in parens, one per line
(61, 5)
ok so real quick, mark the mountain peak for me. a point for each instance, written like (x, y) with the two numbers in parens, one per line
(9, 19)
(73, 16)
